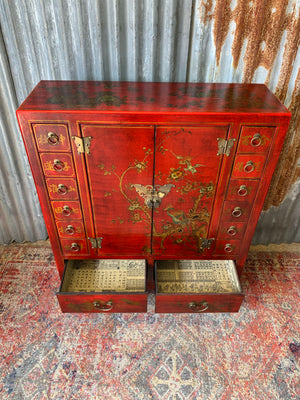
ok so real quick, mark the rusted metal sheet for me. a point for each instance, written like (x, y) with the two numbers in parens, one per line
(255, 41)
(146, 40)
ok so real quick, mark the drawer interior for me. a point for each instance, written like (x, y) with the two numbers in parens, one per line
(103, 276)
(196, 276)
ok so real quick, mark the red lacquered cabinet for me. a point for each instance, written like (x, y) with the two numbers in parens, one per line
(151, 187)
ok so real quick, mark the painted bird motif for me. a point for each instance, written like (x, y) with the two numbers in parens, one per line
(187, 161)
(178, 216)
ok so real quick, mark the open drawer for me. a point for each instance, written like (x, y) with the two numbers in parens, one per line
(189, 286)
(115, 286)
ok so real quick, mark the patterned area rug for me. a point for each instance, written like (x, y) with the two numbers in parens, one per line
(251, 355)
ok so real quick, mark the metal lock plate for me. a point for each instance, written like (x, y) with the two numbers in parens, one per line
(153, 195)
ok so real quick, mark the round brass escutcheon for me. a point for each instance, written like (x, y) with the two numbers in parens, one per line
(198, 307)
(232, 231)
(107, 306)
(75, 247)
(228, 248)
(62, 189)
(237, 212)
(249, 167)
(256, 140)
(70, 230)
(66, 211)
(58, 165)
(52, 138)
(242, 191)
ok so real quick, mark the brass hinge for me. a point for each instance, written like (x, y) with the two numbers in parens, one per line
(96, 242)
(225, 146)
(206, 243)
(83, 144)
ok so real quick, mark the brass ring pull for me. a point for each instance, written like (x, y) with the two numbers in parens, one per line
(75, 247)
(232, 231)
(66, 211)
(256, 140)
(237, 212)
(58, 165)
(249, 167)
(70, 230)
(198, 307)
(62, 189)
(228, 248)
(242, 191)
(103, 306)
(52, 138)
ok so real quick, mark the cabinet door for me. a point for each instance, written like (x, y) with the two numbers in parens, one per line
(120, 157)
(186, 160)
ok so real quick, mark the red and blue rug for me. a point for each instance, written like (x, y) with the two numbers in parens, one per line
(252, 355)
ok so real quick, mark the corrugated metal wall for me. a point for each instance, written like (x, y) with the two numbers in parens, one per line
(146, 40)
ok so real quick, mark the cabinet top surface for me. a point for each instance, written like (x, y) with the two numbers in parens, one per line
(146, 97)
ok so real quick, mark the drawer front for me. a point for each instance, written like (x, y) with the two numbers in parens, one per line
(68, 229)
(75, 247)
(232, 230)
(66, 210)
(190, 303)
(196, 286)
(62, 188)
(236, 211)
(248, 166)
(255, 139)
(52, 137)
(242, 190)
(227, 247)
(102, 303)
(57, 164)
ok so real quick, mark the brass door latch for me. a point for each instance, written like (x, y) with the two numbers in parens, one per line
(153, 195)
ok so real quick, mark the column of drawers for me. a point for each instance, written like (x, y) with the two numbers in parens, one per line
(60, 177)
(250, 159)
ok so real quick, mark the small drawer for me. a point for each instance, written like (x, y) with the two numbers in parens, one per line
(74, 247)
(66, 210)
(231, 230)
(242, 190)
(255, 139)
(111, 286)
(236, 211)
(248, 166)
(52, 137)
(197, 286)
(57, 164)
(227, 247)
(67, 229)
(62, 188)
